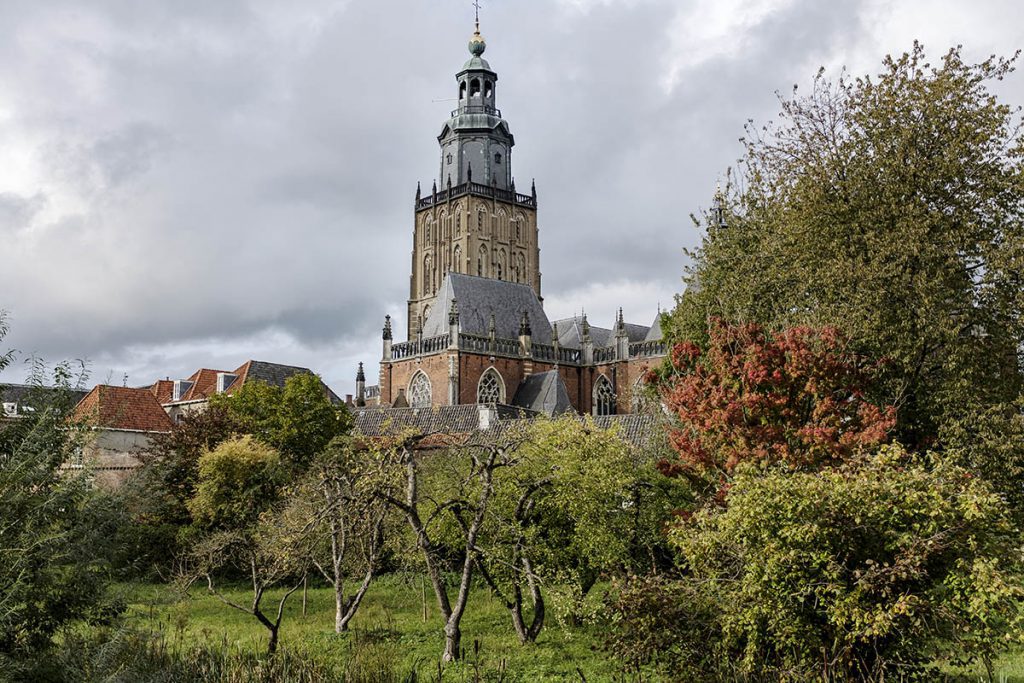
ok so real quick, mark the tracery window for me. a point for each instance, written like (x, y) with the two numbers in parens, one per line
(457, 259)
(604, 397)
(419, 391)
(490, 389)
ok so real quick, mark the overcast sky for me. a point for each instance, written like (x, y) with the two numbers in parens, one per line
(194, 183)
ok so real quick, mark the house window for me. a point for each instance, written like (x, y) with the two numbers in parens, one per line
(419, 391)
(490, 389)
(604, 397)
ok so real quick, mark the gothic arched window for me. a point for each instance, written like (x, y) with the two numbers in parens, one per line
(480, 219)
(481, 263)
(458, 224)
(604, 397)
(490, 389)
(457, 259)
(426, 231)
(419, 391)
(428, 272)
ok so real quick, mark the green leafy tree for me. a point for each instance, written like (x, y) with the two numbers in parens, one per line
(577, 502)
(298, 419)
(238, 480)
(871, 571)
(235, 504)
(890, 207)
(54, 528)
(158, 523)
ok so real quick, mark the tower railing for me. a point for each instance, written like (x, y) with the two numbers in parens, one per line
(647, 349)
(477, 109)
(477, 189)
(482, 344)
(418, 347)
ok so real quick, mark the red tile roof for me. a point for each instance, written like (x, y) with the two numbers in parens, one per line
(163, 389)
(204, 385)
(122, 408)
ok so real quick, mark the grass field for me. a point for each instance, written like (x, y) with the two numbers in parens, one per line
(390, 634)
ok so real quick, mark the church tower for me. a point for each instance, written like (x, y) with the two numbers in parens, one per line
(473, 221)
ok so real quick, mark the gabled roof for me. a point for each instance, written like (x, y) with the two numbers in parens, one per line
(570, 333)
(204, 385)
(163, 390)
(113, 407)
(274, 374)
(636, 333)
(478, 298)
(543, 392)
(655, 333)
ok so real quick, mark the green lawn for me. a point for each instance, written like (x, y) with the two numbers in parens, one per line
(388, 632)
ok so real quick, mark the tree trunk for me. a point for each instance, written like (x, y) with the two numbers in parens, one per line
(452, 641)
(272, 646)
(340, 624)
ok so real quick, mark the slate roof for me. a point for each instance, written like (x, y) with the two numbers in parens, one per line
(24, 395)
(636, 333)
(458, 419)
(655, 333)
(478, 298)
(570, 333)
(543, 392)
(640, 430)
(113, 407)
(274, 374)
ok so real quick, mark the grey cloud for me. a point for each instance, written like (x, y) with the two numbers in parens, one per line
(215, 181)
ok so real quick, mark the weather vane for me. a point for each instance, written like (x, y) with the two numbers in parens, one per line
(476, 5)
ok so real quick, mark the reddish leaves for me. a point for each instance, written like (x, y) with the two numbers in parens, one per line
(797, 398)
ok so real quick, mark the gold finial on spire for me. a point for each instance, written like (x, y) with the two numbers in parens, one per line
(477, 45)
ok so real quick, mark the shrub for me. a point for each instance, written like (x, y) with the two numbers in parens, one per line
(868, 571)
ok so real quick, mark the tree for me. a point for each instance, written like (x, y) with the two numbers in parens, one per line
(797, 397)
(54, 529)
(441, 490)
(155, 500)
(298, 419)
(870, 571)
(576, 503)
(239, 485)
(891, 208)
(346, 522)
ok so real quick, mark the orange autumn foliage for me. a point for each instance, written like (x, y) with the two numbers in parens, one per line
(798, 398)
